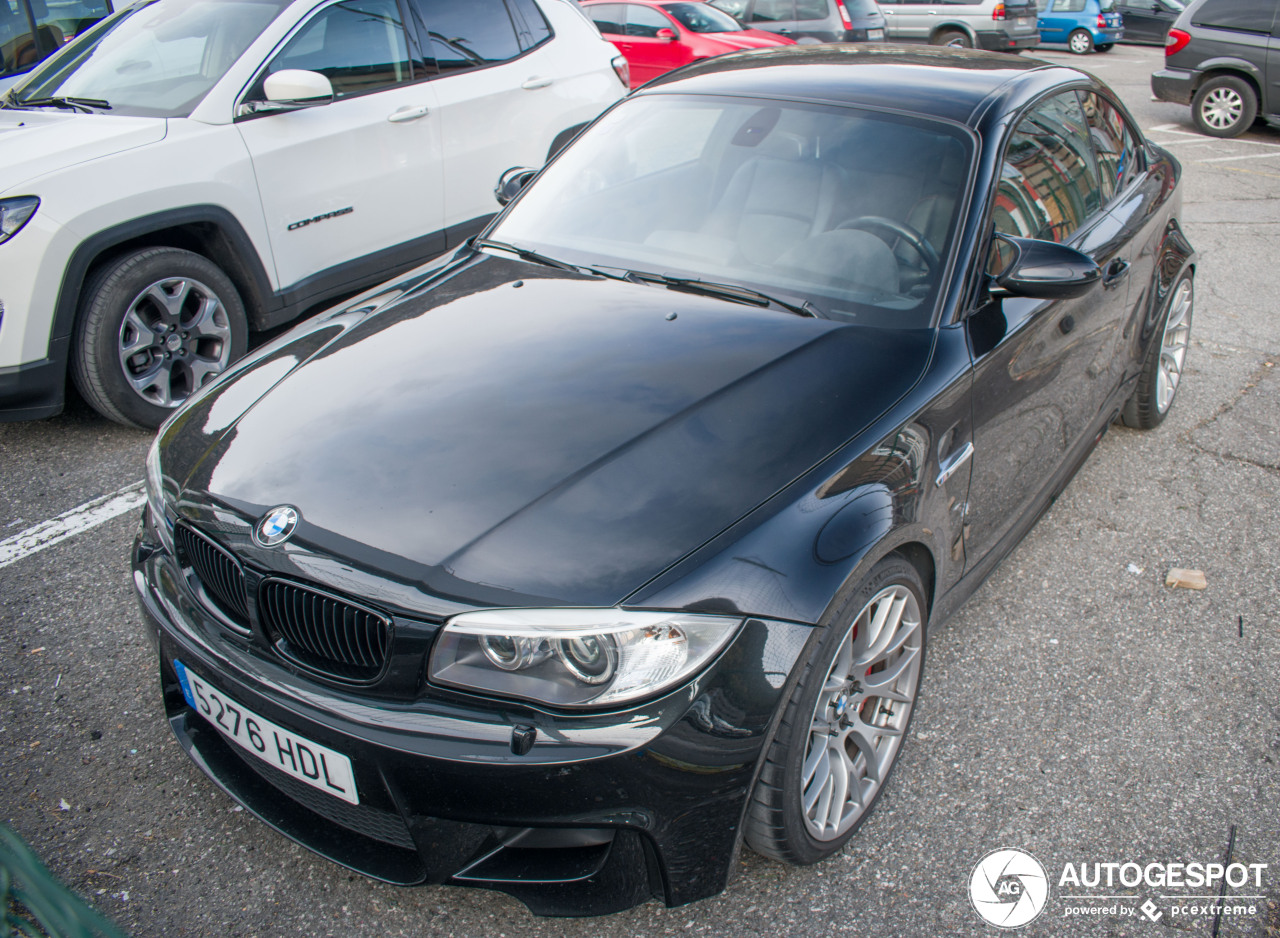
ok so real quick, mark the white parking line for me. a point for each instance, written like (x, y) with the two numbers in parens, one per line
(1247, 156)
(70, 523)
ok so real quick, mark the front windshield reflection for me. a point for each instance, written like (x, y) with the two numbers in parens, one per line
(157, 59)
(854, 210)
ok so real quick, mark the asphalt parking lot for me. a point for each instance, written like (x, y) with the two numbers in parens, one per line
(1076, 708)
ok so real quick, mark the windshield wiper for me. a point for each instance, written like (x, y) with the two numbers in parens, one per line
(526, 255)
(84, 105)
(726, 291)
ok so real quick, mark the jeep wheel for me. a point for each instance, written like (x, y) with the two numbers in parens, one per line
(154, 326)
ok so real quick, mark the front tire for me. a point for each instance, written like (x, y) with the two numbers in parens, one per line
(155, 325)
(1224, 106)
(1080, 42)
(845, 721)
(1162, 371)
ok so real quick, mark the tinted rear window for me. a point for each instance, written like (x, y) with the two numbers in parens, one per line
(1249, 16)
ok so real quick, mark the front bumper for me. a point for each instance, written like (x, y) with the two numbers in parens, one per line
(33, 361)
(1173, 84)
(604, 811)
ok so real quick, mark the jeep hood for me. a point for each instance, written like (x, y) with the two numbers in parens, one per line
(41, 141)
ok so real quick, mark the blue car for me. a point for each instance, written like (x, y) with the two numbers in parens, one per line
(1084, 25)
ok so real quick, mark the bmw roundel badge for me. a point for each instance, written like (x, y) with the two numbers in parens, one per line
(276, 526)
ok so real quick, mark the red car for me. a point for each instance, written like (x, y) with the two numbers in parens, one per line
(656, 37)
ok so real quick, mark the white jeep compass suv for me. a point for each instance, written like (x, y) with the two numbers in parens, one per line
(189, 170)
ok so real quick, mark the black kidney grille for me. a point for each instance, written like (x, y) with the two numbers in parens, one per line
(324, 632)
(218, 572)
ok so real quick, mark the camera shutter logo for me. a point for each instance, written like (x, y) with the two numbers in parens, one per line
(1008, 888)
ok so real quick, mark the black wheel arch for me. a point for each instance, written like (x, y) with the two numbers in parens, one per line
(1175, 257)
(950, 27)
(209, 230)
(1230, 68)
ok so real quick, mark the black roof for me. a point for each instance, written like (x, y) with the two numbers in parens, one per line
(943, 82)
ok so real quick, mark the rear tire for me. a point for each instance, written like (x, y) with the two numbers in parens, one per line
(155, 325)
(846, 719)
(954, 38)
(1162, 371)
(1224, 106)
(1080, 42)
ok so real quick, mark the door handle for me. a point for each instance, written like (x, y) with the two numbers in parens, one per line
(1117, 270)
(408, 113)
(536, 82)
(953, 462)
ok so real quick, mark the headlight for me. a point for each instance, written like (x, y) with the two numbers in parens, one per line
(155, 496)
(14, 213)
(575, 657)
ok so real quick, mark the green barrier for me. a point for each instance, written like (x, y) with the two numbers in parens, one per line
(34, 904)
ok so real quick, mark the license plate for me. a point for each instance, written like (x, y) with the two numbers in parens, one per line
(296, 756)
(874, 34)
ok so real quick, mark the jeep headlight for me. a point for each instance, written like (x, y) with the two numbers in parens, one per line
(14, 213)
(575, 657)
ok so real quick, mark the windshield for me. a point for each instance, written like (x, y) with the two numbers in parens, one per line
(852, 211)
(700, 18)
(158, 59)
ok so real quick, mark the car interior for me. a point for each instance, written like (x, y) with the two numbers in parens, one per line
(852, 208)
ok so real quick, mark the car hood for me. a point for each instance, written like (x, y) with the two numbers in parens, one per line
(520, 435)
(41, 141)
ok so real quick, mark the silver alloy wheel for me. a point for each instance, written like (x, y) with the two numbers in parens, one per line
(1173, 345)
(861, 713)
(1222, 107)
(1079, 42)
(175, 336)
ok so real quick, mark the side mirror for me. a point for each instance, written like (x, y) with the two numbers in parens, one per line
(668, 34)
(511, 182)
(293, 87)
(1045, 270)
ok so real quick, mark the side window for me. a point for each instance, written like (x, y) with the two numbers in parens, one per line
(359, 45)
(735, 8)
(1068, 6)
(609, 18)
(774, 11)
(531, 25)
(1247, 16)
(645, 22)
(1114, 143)
(1048, 183)
(467, 34)
(812, 9)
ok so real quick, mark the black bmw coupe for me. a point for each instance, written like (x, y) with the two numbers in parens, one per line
(568, 564)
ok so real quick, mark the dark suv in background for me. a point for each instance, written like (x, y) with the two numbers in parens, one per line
(1216, 60)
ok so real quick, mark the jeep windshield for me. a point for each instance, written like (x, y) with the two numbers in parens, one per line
(155, 59)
